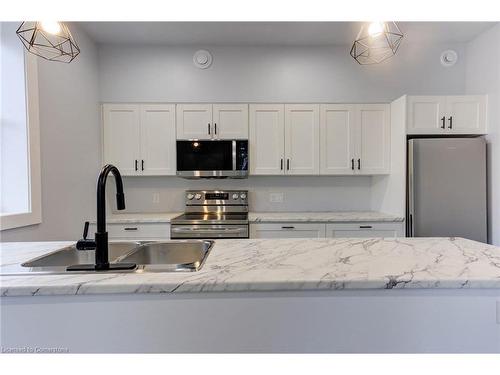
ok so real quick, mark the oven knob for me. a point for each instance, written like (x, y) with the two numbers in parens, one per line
(198, 196)
(243, 196)
(235, 196)
(190, 196)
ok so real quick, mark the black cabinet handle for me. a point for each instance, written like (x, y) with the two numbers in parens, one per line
(352, 163)
(288, 227)
(287, 164)
(359, 164)
(365, 227)
(443, 119)
(451, 122)
(130, 228)
(85, 230)
(281, 164)
(142, 164)
(208, 128)
(136, 165)
(215, 128)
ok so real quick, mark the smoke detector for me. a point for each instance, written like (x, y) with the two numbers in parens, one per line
(202, 59)
(449, 58)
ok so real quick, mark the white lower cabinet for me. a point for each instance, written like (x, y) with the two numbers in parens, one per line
(287, 230)
(135, 231)
(322, 230)
(362, 230)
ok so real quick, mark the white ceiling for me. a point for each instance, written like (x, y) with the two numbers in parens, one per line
(269, 33)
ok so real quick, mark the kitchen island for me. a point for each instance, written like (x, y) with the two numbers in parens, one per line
(286, 295)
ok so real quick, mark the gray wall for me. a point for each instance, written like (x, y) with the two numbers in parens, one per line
(70, 144)
(483, 77)
(292, 74)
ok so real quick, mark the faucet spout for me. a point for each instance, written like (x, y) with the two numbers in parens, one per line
(101, 236)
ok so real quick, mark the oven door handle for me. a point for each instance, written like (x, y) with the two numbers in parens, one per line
(207, 230)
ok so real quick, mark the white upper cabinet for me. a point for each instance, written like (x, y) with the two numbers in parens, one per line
(447, 114)
(140, 139)
(158, 139)
(355, 139)
(266, 139)
(426, 114)
(466, 114)
(230, 121)
(373, 140)
(337, 138)
(302, 139)
(194, 121)
(212, 121)
(121, 133)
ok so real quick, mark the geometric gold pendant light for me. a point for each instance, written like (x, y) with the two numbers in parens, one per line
(50, 40)
(376, 43)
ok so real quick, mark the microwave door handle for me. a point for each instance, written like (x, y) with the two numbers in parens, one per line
(234, 155)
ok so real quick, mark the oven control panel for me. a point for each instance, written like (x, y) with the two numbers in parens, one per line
(216, 197)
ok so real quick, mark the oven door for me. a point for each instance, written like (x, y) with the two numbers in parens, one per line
(212, 159)
(208, 231)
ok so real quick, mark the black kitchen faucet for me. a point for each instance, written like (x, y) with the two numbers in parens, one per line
(100, 243)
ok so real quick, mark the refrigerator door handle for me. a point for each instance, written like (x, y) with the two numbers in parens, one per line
(451, 122)
(411, 198)
(443, 120)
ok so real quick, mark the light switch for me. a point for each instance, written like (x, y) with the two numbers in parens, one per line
(156, 197)
(276, 197)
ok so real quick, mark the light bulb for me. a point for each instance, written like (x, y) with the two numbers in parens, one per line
(375, 28)
(52, 27)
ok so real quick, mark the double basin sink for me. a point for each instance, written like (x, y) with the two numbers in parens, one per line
(167, 256)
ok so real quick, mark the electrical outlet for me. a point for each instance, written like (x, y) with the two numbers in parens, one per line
(156, 197)
(276, 197)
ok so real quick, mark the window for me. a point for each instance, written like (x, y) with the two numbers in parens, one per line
(20, 195)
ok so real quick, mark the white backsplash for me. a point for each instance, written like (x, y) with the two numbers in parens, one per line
(299, 193)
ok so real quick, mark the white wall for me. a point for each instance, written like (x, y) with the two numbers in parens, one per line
(483, 77)
(299, 193)
(70, 144)
(292, 74)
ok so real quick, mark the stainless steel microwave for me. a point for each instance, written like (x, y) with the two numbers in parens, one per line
(216, 158)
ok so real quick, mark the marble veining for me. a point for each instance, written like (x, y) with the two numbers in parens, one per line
(267, 217)
(323, 217)
(283, 264)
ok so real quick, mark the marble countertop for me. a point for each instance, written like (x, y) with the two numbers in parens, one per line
(267, 217)
(323, 217)
(282, 264)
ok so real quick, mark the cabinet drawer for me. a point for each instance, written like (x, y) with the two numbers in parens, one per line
(139, 231)
(287, 230)
(367, 229)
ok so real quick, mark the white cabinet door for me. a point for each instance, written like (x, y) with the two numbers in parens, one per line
(158, 139)
(426, 114)
(230, 121)
(466, 114)
(266, 139)
(120, 137)
(374, 126)
(194, 121)
(363, 230)
(337, 138)
(287, 230)
(302, 139)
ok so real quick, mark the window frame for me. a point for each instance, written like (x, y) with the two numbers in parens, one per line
(34, 215)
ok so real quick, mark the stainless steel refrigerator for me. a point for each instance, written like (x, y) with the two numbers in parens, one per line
(447, 188)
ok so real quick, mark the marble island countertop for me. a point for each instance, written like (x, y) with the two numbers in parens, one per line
(282, 264)
(268, 217)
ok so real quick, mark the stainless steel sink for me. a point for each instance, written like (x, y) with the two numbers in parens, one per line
(170, 256)
(69, 256)
(165, 256)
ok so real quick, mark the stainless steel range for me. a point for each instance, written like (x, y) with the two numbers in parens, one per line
(212, 214)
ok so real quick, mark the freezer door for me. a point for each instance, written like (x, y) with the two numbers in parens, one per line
(447, 188)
